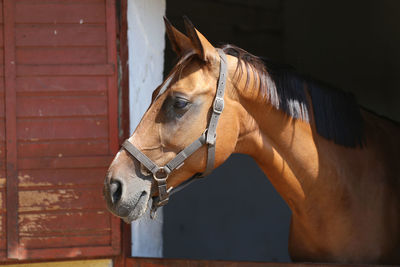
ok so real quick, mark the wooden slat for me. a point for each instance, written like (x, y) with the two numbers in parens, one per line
(3, 253)
(1, 34)
(2, 160)
(54, 178)
(63, 85)
(65, 241)
(61, 55)
(3, 217)
(63, 148)
(3, 153)
(11, 128)
(64, 163)
(123, 104)
(2, 81)
(47, 129)
(2, 204)
(71, 222)
(2, 106)
(1, 12)
(57, 106)
(3, 239)
(60, 35)
(61, 199)
(65, 232)
(3, 179)
(2, 150)
(112, 80)
(69, 252)
(56, 12)
(113, 106)
(65, 70)
(3, 243)
(2, 130)
(3, 233)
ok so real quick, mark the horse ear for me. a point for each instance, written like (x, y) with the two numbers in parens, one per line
(180, 43)
(203, 47)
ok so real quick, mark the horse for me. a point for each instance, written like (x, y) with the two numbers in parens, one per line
(335, 164)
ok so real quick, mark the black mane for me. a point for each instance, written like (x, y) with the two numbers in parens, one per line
(336, 113)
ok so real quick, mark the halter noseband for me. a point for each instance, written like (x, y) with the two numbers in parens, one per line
(160, 174)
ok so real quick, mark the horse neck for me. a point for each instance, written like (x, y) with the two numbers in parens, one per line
(283, 147)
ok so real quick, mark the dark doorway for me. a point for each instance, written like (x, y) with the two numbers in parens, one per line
(249, 221)
(351, 45)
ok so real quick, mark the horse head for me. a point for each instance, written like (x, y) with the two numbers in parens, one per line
(179, 116)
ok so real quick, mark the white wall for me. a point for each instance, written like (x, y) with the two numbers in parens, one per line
(146, 60)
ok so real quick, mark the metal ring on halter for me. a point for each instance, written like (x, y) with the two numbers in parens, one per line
(164, 171)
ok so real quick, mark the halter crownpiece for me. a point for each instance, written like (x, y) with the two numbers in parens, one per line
(209, 136)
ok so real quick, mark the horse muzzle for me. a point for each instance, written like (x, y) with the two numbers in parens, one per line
(126, 197)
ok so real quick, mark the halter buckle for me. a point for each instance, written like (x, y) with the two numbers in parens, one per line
(160, 176)
(218, 105)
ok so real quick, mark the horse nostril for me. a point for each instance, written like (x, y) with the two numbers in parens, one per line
(115, 191)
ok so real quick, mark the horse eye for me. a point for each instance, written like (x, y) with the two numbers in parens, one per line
(180, 103)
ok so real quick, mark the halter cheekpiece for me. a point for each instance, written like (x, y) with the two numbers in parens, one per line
(209, 136)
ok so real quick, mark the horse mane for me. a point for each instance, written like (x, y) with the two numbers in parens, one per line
(336, 113)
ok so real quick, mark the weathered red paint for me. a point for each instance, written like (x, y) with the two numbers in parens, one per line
(113, 105)
(112, 80)
(60, 124)
(54, 84)
(44, 11)
(11, 128)
(65, 70)
(124, 127)
(63, 55)
(124, 75)
(61, 35)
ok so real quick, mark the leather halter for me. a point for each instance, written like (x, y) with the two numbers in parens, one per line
(160, 174)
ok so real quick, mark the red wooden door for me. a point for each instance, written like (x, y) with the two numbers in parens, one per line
(58, 128)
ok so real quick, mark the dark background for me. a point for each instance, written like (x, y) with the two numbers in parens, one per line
(353, 45)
